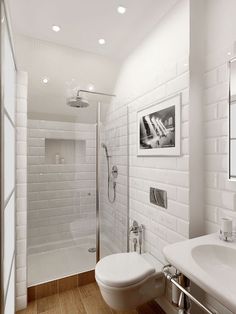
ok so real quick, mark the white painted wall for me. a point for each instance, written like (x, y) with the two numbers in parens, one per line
(151, 63)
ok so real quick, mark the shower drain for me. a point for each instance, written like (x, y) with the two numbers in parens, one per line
(92, 250)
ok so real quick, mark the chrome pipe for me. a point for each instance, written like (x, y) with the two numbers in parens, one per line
(172, 278)
(95, 93)
(127, 185)
(98, 129)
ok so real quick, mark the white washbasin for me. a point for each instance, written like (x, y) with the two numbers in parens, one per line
(210, 263)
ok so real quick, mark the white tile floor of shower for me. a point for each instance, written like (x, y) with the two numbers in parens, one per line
(55, 264)
(62, 262)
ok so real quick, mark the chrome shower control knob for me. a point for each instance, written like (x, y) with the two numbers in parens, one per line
(114, 172)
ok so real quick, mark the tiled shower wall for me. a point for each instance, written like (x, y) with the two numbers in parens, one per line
(61, 197)
(114, 216)
(21, 186)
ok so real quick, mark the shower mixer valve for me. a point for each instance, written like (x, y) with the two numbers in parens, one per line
(111, 176)
(114, 172)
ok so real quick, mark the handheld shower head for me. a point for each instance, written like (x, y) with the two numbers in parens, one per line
(111, 176)
(106, 150)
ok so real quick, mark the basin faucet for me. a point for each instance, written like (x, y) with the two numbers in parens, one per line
(135, 242)
(225, 236)
(226, 229)
(135, 227)
(137, 230)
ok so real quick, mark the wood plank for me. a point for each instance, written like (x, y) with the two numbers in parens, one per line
(67, 283)
(46, 289)
(125, 312)
(70, 302)
(82, 300)
(150, 308)
(31, 294)
(49, 305)
(31, 309)
(95, 306)
(86, 278)
(78, 302)
(89, 290)
(92, 300)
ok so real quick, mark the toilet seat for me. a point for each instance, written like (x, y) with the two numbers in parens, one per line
(123, 269)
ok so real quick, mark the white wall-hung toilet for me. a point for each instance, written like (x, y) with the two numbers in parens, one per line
(127, 280)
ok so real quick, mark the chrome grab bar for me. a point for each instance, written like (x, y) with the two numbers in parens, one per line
(172, 278)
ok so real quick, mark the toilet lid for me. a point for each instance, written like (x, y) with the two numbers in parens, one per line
(123, 269)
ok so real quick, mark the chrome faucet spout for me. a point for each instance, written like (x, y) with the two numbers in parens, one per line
(135, 227)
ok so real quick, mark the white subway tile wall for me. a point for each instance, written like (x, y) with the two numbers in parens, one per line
(220, 192)
(61, 190)
(167, 173)
(152, 73)
(21, 190)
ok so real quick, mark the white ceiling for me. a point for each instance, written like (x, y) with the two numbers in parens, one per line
(83, 22)
(66, 68)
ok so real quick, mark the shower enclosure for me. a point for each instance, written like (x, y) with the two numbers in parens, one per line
(73, 208)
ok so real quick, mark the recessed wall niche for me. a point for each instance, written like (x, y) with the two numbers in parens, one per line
(60, 151)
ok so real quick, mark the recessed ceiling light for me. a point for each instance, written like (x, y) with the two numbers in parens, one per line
(102, 41)
(90, 87)
(229, 53)
(121, 9)
(56, 28)
(45, 80)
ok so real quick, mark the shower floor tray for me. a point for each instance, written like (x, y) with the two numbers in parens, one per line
(52, 265)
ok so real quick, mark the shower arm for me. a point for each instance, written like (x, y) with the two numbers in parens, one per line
(95, 93)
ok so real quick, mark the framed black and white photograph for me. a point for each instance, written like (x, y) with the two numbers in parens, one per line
(159, 128)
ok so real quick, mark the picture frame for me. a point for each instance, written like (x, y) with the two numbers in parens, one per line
(158, 128)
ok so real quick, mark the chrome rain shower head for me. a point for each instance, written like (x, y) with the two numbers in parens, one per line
(78, 102)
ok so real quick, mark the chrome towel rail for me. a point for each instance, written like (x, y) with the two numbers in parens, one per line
(172, 278)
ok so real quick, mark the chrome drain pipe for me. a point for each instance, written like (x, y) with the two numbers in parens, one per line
(173, 279)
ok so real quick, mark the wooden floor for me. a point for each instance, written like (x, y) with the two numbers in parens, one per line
(82, 300)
